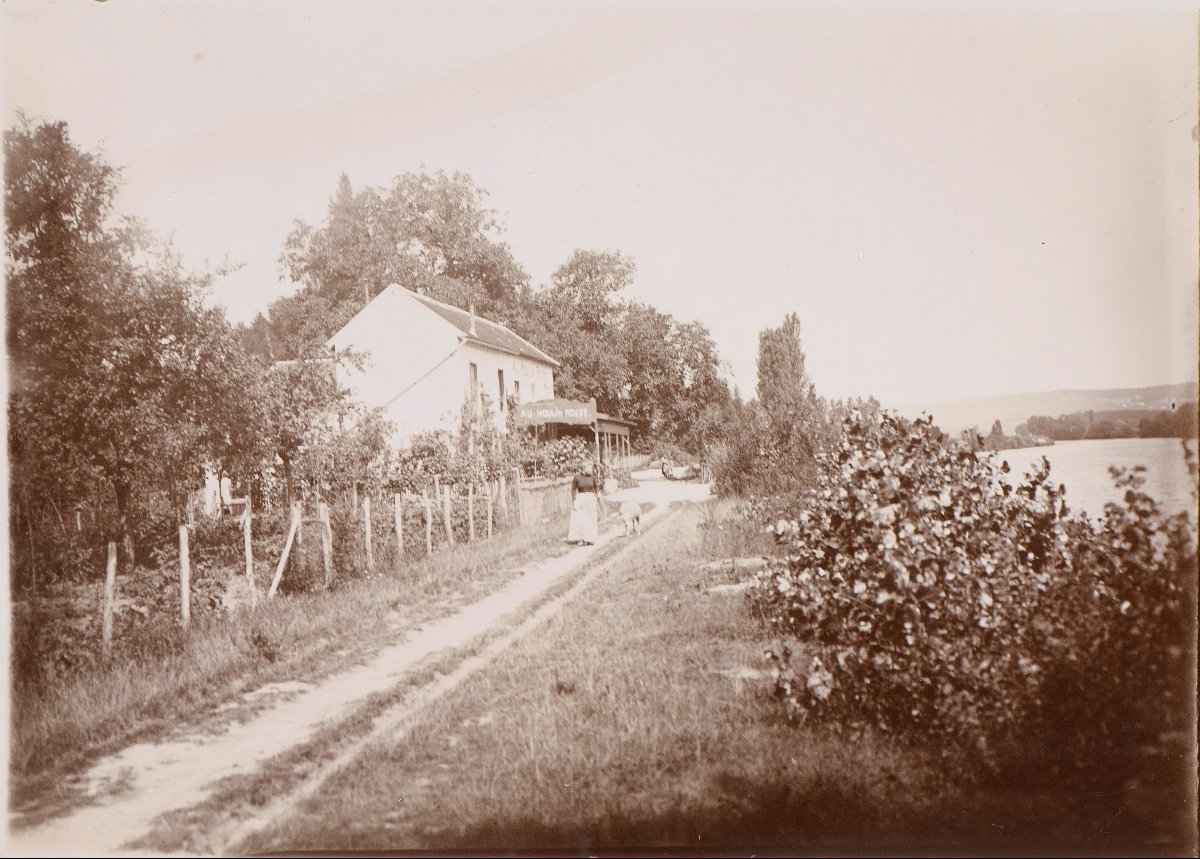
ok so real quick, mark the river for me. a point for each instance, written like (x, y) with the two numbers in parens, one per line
(1083, 467)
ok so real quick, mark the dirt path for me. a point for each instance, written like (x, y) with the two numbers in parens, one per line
(135, 786)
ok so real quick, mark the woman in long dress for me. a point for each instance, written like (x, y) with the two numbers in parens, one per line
(585, 509)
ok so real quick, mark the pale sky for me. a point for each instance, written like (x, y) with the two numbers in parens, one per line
(957, 200)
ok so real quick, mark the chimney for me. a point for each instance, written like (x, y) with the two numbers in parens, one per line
(473, 334)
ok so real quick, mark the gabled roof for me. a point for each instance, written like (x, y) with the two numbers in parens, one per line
(486, 332)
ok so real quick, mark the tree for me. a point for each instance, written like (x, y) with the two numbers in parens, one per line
(577, 319)
(123, 383)
(678, 389)
(427, 230)
(794, 420)
(591, 283)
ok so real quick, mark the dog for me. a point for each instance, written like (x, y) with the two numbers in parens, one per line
(631, 516)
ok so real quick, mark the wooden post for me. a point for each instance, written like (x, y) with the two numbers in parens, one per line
(110, 586)
(504, 495)
(326, 541)
(446, 514)
(185, 578)
(32, 547)
(398, 513)
(520, 503)
(249, 557)
(78, 520)
(287, 548)
(471, 513)
(428, 522)
(367, 532)
(489, 509)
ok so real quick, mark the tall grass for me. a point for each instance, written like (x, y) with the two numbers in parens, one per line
(638, 717)
(60, 724)
(643, 716)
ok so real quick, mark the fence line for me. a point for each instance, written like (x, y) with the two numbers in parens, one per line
(534, 499)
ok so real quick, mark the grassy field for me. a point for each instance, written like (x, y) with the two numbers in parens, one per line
(59, 728)
(641, 718)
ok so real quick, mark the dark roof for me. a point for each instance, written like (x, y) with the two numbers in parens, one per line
(488, 333)
(614, 419)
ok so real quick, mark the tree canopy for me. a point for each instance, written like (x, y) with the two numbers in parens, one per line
(426, 230)
(121, 377)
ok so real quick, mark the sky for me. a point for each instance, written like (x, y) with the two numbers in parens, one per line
(957, 200)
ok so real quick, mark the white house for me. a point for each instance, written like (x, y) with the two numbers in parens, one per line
(425, 358)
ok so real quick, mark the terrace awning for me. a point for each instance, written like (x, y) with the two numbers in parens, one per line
(556, 411)
(610, 434)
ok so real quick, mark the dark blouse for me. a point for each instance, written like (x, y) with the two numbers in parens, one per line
(584, 483)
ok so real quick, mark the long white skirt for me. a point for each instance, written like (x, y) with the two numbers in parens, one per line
(584, 518)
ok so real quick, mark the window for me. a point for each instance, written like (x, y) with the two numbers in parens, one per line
(517, 390)
(473, 391)
(500, 381)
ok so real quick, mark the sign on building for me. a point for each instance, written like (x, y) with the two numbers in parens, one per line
(556, 411)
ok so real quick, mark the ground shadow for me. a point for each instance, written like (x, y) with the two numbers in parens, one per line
(823, 818)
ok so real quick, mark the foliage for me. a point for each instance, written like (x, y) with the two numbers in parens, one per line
(921, 591)
(426, 456)
(637, 362)
(124, 384)
(427, 230)
(479, 455)
(769, 447)
(590, 283)
(351, 448)
(563, 457)
(741, 459)
(575, 319)
(996, 440)
(678, 392)
(659, 448)
(791, 412)
(1179, 422)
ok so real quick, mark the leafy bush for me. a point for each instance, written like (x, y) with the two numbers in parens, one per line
(623, 476)
(428, 455)
(563, 457)
(921, 591)
(741, 465)
(662, 448)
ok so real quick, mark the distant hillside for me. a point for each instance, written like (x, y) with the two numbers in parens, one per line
(954, 416)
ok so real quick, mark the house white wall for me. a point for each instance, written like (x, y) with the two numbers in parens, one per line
(417, 366)
(526, 379)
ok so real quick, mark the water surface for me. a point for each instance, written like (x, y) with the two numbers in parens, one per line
(1083, 467)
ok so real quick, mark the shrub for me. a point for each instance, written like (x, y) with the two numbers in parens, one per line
(562, 457)
(663, 448)
(623, 476)
(921, 592)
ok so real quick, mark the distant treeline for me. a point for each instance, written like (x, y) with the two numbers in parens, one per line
(975, 440)
(1179, 422)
